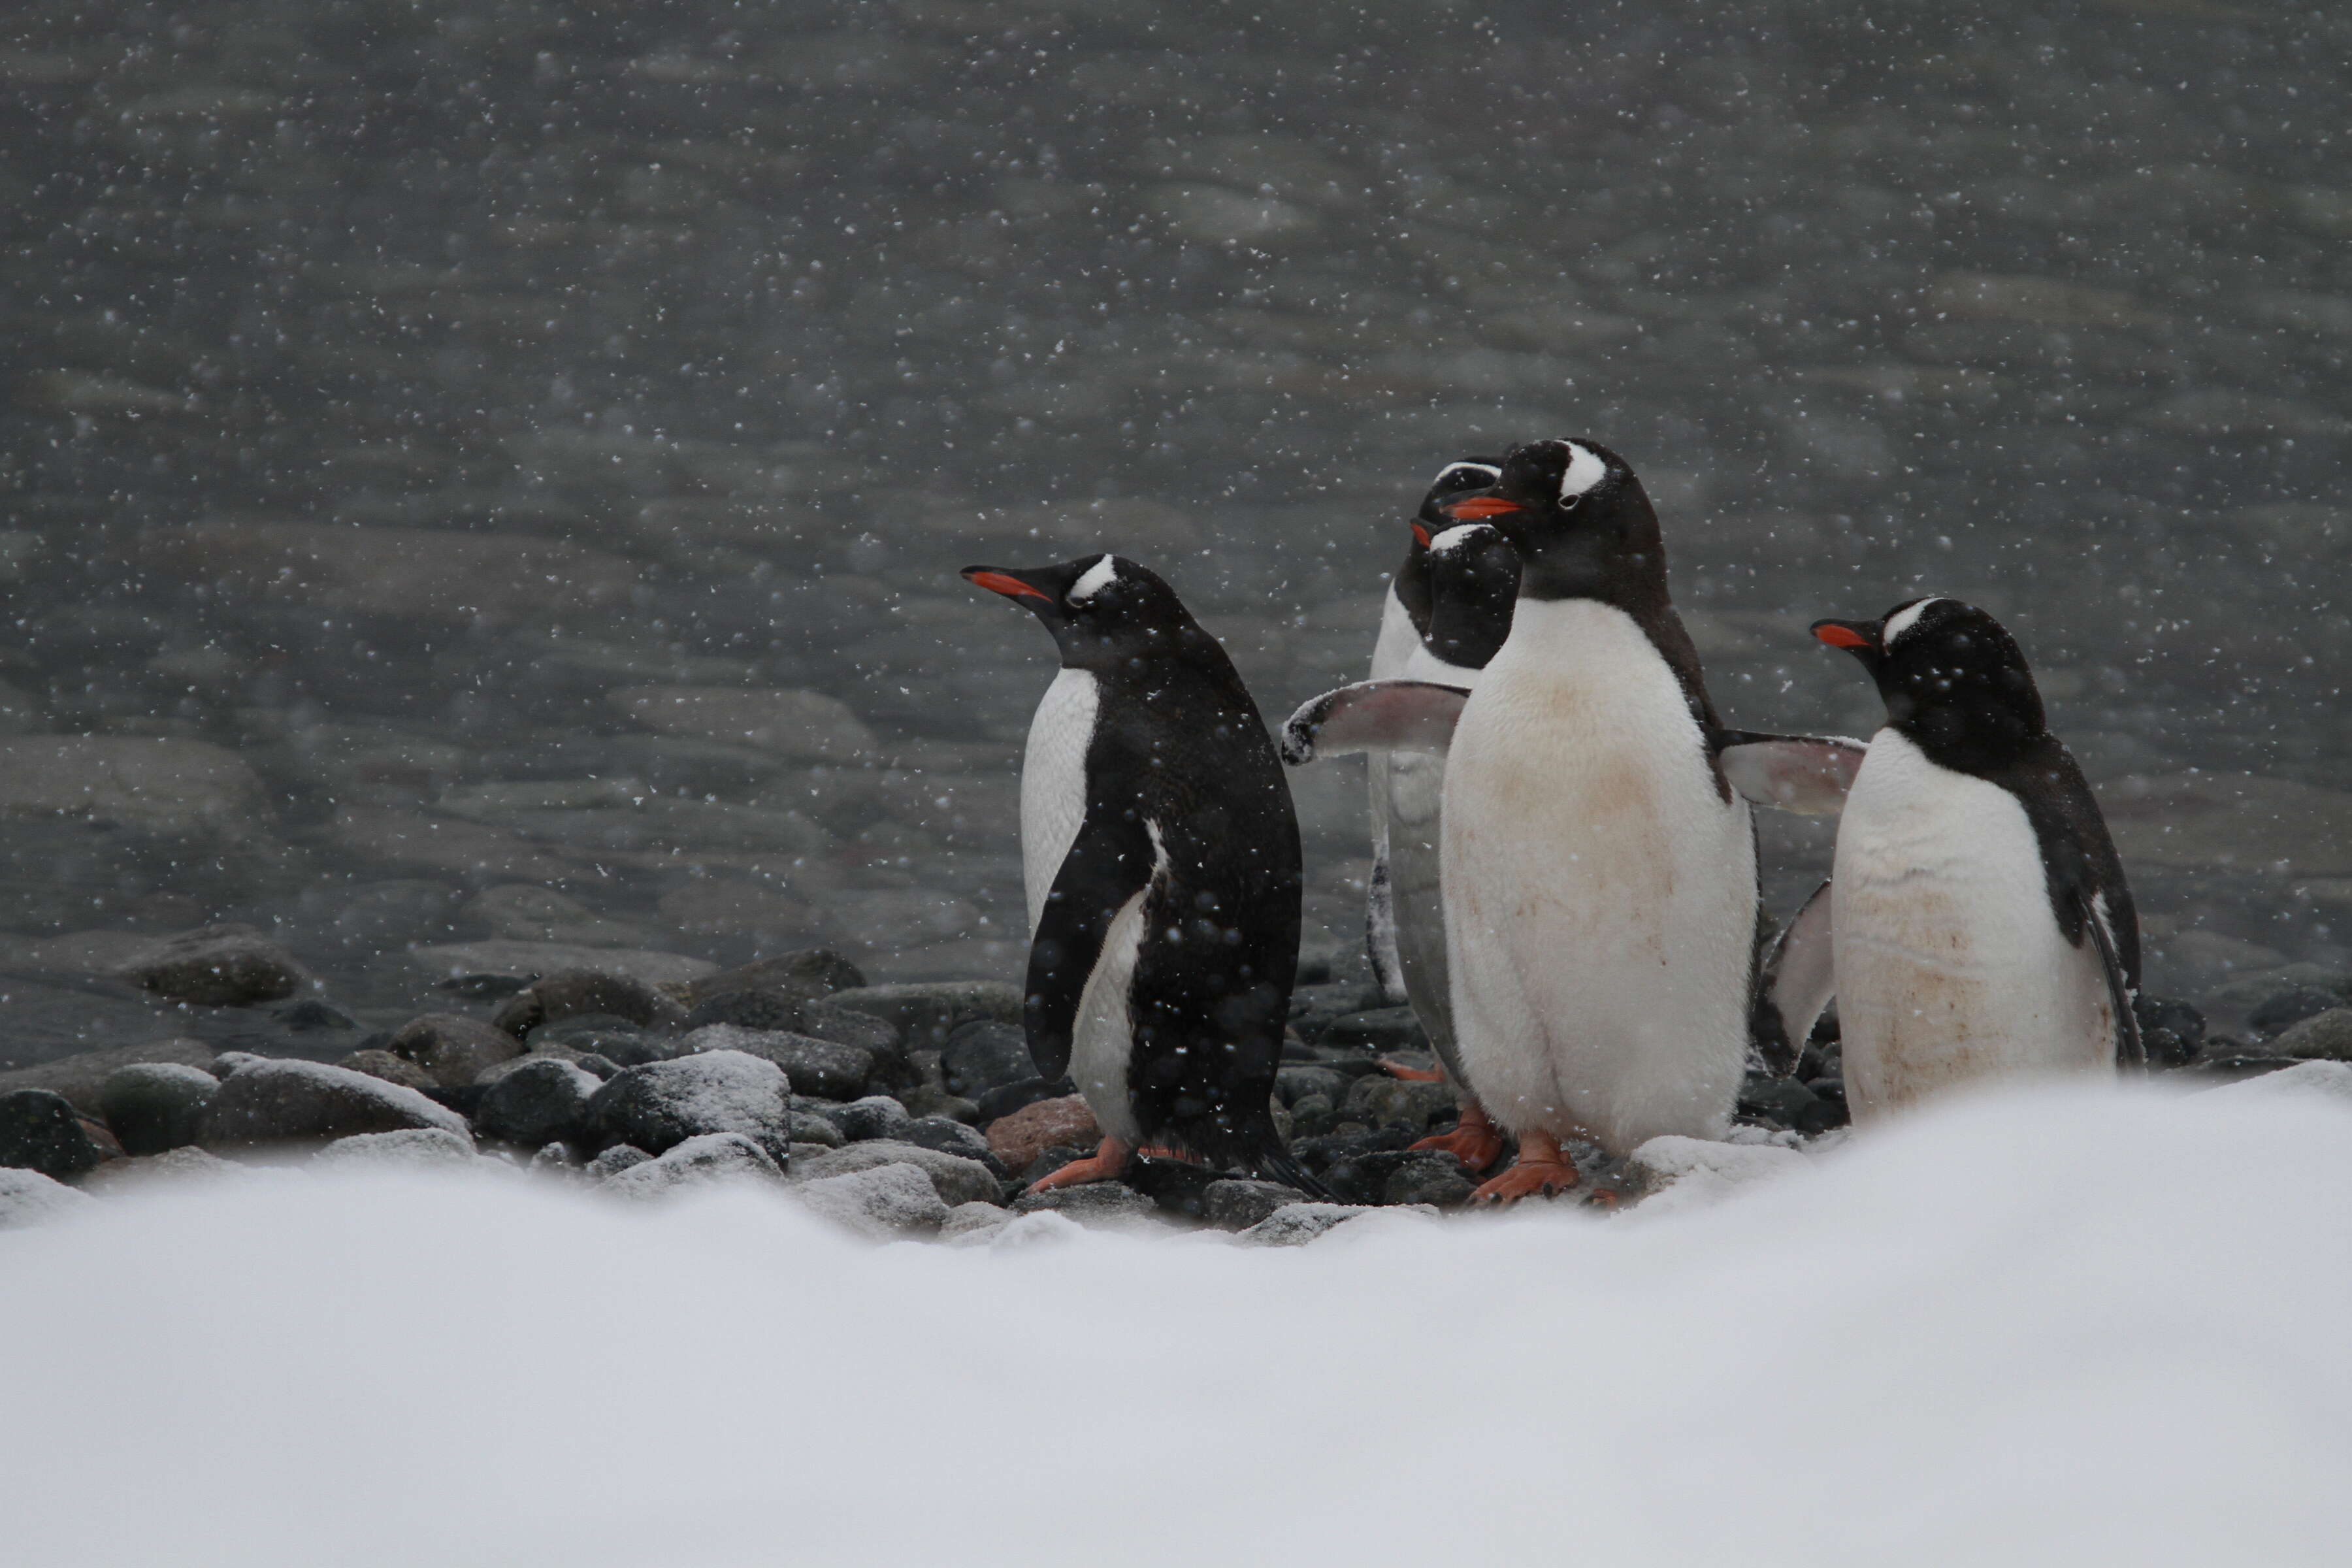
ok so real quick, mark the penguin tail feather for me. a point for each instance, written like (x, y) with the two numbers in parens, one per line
(1282, 1166)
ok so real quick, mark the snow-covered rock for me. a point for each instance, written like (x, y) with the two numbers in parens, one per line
(882, 1202)
(659, 1105)
(701, 1161)
(415, 1148)
(265, 1101)
(29, 1198)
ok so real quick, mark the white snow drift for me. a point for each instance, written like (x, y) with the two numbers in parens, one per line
(2065, 1327)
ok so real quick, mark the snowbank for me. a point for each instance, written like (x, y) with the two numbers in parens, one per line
(2061, 1328)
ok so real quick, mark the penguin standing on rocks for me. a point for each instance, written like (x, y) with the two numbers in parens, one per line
(1404, 619)
(1979, 923)
(1162, 863)
(1597, 854)
(1471, 576)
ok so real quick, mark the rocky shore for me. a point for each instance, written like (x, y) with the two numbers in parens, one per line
(908, 1109)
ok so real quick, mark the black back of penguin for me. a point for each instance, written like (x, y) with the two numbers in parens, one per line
(1186, 801)
(1957, 685)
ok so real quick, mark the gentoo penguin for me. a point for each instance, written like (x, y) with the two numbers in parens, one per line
(1472, 576)
(1404, 617)
(1979, 925)
(1162, 864)
(1597, 856)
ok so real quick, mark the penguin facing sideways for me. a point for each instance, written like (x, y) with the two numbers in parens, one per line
(1404, 619)
(1471, 576)
(1597, 854)
(1162, 864)
(1978, 925)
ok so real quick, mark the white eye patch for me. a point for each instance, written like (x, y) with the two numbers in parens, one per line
(1585, 469)
(1486, 473)
(1903, 621)
(1098, 577)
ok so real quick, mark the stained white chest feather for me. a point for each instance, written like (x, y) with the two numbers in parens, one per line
(1599, 891)
(1053, 781)
(1951, 968)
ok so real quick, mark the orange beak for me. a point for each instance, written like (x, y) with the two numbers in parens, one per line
(1837, 635)
(1477, 507)
(1011, 587)
(1420, 536)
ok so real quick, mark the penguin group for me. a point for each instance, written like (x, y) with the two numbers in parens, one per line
(1565, 885)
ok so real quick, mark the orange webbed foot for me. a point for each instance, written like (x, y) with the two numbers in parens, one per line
(1475, 1141)
(1542, 1169)
(1106, 1163)
(1412, 1074)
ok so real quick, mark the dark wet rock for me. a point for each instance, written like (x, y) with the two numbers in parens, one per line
(1051, 1159)
(1384, 1029)
(926, 1013)
(576, 993)
(453, 1049)
(959, 1180)
(40, 1131)
(949, 1137)
(29, 1198)
(749, 1010)
(310, 1015)
(1292, 1084)
(980, 1056)
(1177, 1187)
(612, 1038)
(1108, 1204)
(1779, 1102)
(874, 1116)
(702, 1161)
(267, 1102)
(999, 1103)
(2285, 1009)
(418, 1148)
(661, 1104)
(1237, 1203)
(613, 1160)
(536, 1102)
(1377, 1099)
(557, 1159)
(1019, 1138)
(825, 1068)
(2171, 1030)
(155, 1106)
(1432, 1178)
(809, 1129)
(82, 1078)
(930, 1099)
(1314, 1009)
(218, 966)
(2325, 1037)
(802, 976)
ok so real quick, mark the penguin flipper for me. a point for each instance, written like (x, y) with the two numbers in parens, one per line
(2130, 1050)
(1808, 775)
(1108, 864)
(1799, 976)
(1373, 716)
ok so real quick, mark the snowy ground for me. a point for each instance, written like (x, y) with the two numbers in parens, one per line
(2064, 1328)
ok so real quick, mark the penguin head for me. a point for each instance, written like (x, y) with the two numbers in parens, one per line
(1951, 676)
(1457, 478)
(1103, 610)
(1474, 576)
(1579, 518)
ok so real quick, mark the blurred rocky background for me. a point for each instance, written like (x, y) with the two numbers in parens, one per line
(480, 486)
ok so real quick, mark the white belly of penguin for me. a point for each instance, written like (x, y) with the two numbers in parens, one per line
(1054, 781)
(1951, 970)
(1105, 1037)
(1599, 891)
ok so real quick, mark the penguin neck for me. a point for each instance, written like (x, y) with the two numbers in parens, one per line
(1465, 632)
(1979, 741)
(1412, 589)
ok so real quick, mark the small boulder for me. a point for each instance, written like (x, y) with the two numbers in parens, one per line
(949, 1137)
(1379, 1100)
(29, 1198)
(574, 993)
(453, 1047)
(802, 976)
(40, 1131)
(1431, 1178)
(662, 1104)
(929, 1100)
(155, 1106)
(82, 1078)
(983, 1056)
(696, 1161)
(540, 1101)
(958, 1181)
(1001, 1103)
(1020, 1137)
(418, 1148)
(2285, 1009)
(847, 1026)
(2322, 1036)
(1237, 1203)
(218, 966)
(978, 1222)
(613, 1160)
(927, 1012)
(885, 1202)
(748, 1009)
(823, 1069)
(874, 1116)
(376, 1062)
(1295, 1225)
(141, 1170)
(1104, 1204)
(265, 1103)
